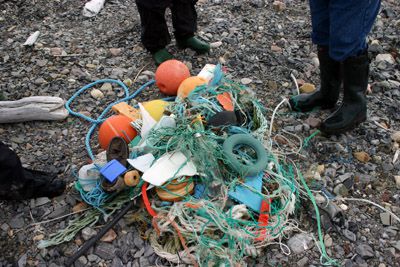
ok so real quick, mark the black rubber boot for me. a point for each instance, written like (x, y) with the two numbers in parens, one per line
(353, 110)
(328, 93)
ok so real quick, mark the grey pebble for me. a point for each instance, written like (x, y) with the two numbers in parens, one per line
(117, 262)
(17, 221)
(105, 251)
(139, 253)
(365, 251)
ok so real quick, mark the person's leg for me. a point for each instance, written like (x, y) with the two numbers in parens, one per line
(184, 20)
(328, 93)
(351, 21)
(155, 35)
(320, 22)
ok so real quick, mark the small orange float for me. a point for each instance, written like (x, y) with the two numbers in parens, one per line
(189, 84)
(131, 178)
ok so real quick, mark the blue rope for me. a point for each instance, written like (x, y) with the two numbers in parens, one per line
(100, 119)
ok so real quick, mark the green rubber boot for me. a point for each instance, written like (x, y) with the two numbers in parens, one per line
(162, 55)
(194, 44)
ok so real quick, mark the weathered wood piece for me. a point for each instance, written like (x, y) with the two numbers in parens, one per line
(34, 108)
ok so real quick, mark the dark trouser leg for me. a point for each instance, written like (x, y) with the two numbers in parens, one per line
(351, 21)
(320, 22)
(328, 93)
(184, 18)
(155, 35)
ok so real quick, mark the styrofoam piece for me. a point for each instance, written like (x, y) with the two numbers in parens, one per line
(148, 121)
(88, 176)
(169, 166)
(246, 196)
(207, 73)
(142, 163)
(32, 38)
(92, 8)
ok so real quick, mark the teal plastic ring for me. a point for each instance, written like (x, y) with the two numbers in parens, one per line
(247, 140)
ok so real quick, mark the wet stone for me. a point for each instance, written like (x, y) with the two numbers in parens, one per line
(365, 251)
(117, 262)
(105, 251)
(17, 221)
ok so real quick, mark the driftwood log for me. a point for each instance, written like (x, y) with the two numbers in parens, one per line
(34, 108)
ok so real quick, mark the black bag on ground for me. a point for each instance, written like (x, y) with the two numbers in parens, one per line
(18, 183)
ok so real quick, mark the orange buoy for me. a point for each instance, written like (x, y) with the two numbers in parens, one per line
(189, 84)
(117, 125)
(169, 76)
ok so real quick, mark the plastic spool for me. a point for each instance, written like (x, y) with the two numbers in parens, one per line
(116, 125)
(176, 195)
(177, 184)
(247, 140)
(169, 75)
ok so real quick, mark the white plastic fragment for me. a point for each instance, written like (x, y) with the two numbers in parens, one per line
(32, 38)
(169, 166)
(148, 121)
(207, 73)
(92, 8)
(142, 163)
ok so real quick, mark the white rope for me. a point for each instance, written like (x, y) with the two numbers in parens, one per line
(372, 203)
(295, 83)
(273, 117)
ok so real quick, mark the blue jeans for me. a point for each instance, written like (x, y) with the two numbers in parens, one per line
(343, 25)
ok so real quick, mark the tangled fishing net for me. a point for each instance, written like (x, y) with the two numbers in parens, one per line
(207, 226)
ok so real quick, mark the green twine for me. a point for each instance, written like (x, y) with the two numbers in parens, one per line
(325, 259)
(307, 140)
(91, 217)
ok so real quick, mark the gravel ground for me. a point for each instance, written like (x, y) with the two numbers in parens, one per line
(261, 47)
